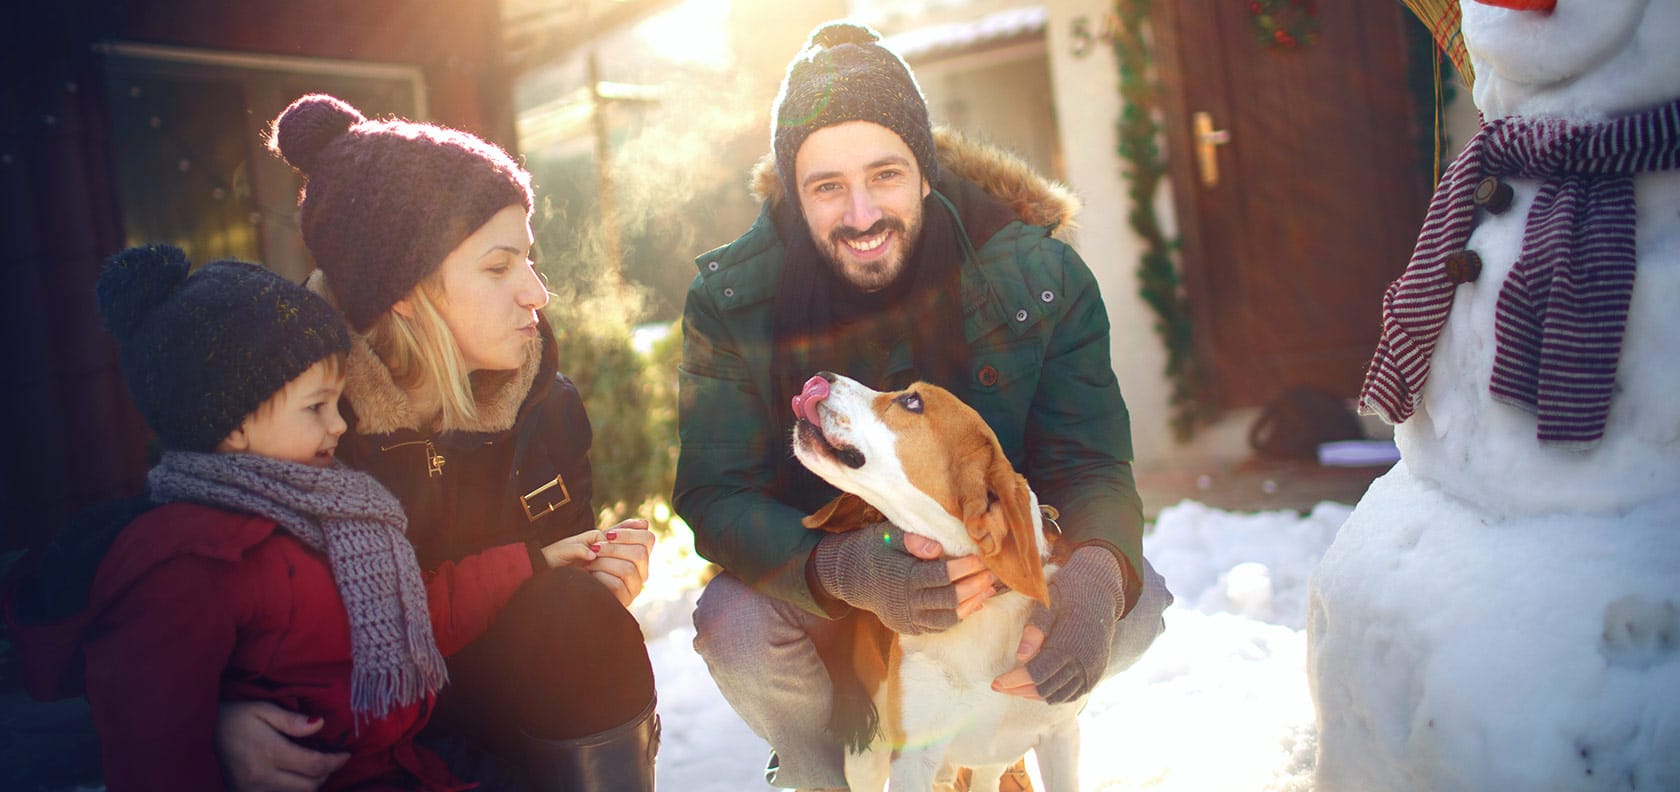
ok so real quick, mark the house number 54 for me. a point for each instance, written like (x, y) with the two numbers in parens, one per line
(1085, 33)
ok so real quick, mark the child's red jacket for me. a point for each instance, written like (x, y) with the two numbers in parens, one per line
(195, 605)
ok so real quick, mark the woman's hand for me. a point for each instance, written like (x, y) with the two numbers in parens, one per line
(580, 549)
(622, 562)
(253, 740)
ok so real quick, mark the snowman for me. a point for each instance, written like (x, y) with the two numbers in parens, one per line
(1502, 609)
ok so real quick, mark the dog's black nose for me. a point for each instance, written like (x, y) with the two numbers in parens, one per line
(828, 375)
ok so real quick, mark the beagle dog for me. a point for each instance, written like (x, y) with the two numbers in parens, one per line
(928, 463)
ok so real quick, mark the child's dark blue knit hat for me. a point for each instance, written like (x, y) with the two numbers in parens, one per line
(203, 351)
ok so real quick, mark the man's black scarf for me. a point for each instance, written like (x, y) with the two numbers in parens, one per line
(820, 322)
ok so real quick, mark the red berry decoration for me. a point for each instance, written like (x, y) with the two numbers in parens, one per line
(1284, 24)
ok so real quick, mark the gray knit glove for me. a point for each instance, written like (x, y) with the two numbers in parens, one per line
(1087, 597)
(869, 568)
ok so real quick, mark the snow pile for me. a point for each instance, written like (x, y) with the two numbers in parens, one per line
(1220, 702)
(1457, 650)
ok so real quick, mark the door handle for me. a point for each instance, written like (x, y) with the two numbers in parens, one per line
(1208, 141)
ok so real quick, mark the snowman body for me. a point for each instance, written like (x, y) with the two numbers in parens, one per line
(1498, 613)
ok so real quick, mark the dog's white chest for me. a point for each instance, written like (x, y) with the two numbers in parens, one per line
(946, 681)
(977, 649)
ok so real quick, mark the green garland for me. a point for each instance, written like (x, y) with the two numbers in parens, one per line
(1158, 280)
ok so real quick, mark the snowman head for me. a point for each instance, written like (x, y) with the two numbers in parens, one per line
(1579, 59)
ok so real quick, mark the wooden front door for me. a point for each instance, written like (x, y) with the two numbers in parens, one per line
(1318, 197)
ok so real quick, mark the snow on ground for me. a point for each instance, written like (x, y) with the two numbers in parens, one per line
(1219, 703)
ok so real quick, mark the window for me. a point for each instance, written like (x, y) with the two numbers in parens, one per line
(187, 144)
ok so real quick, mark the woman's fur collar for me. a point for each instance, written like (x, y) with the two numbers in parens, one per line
(1035, 199)
(382, 406)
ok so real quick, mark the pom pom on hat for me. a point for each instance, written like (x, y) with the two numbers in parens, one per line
(833, 34)
(135, 282)
(308, 126)
(201, 352)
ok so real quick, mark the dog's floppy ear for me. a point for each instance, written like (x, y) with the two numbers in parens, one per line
(843, 514)
(997, 511)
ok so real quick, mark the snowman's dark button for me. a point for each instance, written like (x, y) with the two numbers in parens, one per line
(1463, 266)
(1493, 194)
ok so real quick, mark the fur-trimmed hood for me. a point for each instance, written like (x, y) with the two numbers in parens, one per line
(1001, 174)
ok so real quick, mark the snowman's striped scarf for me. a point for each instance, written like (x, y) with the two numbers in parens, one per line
(1562, 310)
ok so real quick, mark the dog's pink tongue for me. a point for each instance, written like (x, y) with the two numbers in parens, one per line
(805, 404)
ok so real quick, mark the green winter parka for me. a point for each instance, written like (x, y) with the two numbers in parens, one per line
(1042, 377)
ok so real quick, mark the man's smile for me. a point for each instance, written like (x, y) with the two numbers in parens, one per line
(866, 244)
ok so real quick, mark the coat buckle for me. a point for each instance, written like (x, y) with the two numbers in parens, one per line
(565, 498)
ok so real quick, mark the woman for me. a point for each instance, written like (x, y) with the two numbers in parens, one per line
(454, 402)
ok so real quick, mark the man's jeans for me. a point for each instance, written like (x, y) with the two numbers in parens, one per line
(762, 652)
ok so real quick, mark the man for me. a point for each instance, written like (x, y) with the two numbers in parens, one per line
(872, 259)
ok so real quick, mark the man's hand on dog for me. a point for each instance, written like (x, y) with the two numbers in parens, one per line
(1064, 648)
(975, 584)
(898, 578)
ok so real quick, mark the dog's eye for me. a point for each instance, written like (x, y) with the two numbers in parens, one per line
(911, 402)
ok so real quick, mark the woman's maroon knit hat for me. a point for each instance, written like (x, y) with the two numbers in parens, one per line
(384, 201)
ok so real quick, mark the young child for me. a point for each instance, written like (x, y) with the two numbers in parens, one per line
(264, 569)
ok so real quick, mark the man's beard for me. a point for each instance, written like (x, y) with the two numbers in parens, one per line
(872, 275)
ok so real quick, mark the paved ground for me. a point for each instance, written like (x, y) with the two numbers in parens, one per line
(51, 747)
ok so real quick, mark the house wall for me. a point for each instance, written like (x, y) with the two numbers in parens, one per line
(1086, 88)
(1001, 96)
(457, 45)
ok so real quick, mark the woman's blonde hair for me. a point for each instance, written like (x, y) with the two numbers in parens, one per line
(421, 350)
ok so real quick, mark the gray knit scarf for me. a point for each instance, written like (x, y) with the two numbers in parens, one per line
(359, 525)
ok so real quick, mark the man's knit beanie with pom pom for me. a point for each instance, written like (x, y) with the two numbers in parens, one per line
(844, 74)
(203, 351)
(385, 200)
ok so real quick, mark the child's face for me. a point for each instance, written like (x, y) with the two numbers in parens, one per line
(299, 424)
